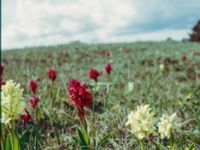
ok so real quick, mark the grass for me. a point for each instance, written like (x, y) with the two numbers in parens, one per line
(139, 62)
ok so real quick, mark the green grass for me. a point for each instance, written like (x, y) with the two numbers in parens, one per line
(166, 91)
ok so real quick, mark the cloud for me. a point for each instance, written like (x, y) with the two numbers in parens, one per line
(36, 22)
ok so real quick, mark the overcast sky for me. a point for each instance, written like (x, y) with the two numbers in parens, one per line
(49, 22)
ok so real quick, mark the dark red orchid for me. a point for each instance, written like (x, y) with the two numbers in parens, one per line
(80, 97)
(33, 101)
(94, 74)
(79, 94)
(52, 74)
(183, 58)
(26, 117)
(33, 86)
(108, 68)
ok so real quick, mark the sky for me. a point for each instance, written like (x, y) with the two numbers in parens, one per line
(27, 23)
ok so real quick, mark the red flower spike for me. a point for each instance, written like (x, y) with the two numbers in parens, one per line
(52, 74)
(184, 58)
(78, 94)
(94, 74)
(34, 101)
(26, 117)
(108, 69)
(33, 86)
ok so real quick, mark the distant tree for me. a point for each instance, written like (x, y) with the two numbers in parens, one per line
(195, 36)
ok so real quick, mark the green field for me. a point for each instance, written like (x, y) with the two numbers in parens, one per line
(174, 89)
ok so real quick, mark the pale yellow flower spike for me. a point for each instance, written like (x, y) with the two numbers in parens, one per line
(12, 103)
(166, 125)
(142, 121)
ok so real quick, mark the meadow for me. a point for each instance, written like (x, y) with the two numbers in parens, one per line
(153, 73)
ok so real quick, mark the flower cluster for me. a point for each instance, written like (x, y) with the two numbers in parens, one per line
(79, 96)
(26, 117)
(33, 86)
(166, 125)
(108, 69)
(142, 121)
(12, 103)
(52, 74)
(94, 74)
(33, 101)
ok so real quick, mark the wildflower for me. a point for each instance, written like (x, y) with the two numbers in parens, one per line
(26, 117)
(79, 95)
(33, 86)
(183, 58)
(166, 125)
(52, 74)
(12, 103)
(161, 67)
(130, 87)
(34, 101)
(108, 69)
(142, 121)
(94, 74)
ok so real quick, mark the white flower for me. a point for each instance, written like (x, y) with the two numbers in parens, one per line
(130, 87)
(166, 125)
(12, 104)
(142, 121)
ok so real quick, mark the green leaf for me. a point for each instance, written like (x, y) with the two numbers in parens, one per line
(191, 147)
(12, 141)
(15, 141)
(83, 139)
(8, 142)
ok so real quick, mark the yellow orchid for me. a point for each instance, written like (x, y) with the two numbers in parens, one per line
(12, 103)
(142, 121)
(166, 125)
